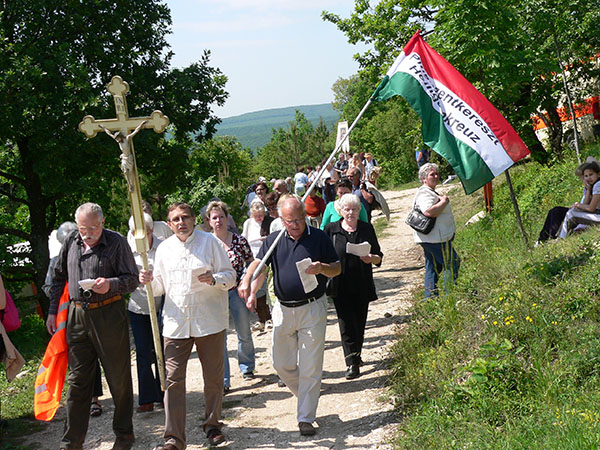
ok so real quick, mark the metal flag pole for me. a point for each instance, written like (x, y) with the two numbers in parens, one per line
(122, 130)
(314, 183)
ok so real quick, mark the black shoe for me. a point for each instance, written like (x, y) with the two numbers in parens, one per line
(306, 429)
(215, 437)
(352, 372)
(280, 383)
(226, 390)
(249, 376)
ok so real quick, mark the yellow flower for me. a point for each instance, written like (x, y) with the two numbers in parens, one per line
(495, 322)
(482, 316)
(529, 319)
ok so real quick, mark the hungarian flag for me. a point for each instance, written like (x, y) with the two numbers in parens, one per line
(458, 122)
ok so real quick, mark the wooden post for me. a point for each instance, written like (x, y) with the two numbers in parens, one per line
(122, 129)
(488, 197)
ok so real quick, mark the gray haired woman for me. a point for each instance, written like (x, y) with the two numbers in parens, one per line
(440, 257)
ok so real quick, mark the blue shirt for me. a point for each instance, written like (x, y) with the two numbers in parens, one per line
(313, 244)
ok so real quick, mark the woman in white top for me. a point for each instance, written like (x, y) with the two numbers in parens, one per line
(440, 257)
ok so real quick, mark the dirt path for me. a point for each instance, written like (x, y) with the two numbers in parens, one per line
(353, 414)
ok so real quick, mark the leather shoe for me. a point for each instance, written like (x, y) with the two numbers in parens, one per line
(165, 447)
(215, 437)
(248, 376)
(124, 442)
(146, 407)
(352, 372)
(306, 429)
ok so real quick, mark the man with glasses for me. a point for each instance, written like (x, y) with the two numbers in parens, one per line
(194, 272)
(99, 267)
(299, 317)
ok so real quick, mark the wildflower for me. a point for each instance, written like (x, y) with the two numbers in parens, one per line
(554, 322)
(529, 319)
(495, 322)
(482, 316)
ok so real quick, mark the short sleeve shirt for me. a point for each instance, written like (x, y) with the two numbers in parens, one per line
(313, 244)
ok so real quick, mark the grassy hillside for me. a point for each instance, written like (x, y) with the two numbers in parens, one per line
(509, 358)
(253, 129)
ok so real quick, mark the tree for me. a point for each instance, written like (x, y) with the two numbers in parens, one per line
(506, 49)
(56, 58)
(300, 144)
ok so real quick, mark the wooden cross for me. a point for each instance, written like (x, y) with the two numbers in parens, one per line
(122, 130)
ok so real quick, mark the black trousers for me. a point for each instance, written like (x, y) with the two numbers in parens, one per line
(554, 220)
(101, 333)
(352, 319)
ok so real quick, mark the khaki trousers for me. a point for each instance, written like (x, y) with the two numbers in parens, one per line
(298, 346)
(210, 353)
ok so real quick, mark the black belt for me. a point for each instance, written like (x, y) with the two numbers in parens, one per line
(300, 302)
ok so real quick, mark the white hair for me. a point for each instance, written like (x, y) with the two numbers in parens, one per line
(349, 200)
(426, 168)
(148, 221)
(90, 208)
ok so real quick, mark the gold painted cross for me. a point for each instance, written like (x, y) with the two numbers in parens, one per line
(122, 130)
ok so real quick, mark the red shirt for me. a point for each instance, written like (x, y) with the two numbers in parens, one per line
(315, 206)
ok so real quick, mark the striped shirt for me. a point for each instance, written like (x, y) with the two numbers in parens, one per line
(110, 258)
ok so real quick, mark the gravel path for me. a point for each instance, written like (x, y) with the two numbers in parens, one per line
(355, 414)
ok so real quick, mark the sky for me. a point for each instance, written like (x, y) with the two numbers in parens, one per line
(275, 53)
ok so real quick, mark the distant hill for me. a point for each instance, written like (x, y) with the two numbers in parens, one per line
(253, 129)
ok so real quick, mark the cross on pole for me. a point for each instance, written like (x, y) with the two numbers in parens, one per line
(122, 129)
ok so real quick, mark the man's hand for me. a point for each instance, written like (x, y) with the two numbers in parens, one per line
(207, 277)
(51, 323)
(145, 276)
(315, 268)
(102, 286)
(251, 302)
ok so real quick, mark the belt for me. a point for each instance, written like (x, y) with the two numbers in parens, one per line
(93, 305)
(300, 302)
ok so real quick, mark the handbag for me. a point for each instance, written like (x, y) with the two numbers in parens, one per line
(419, 221)
(10, 315)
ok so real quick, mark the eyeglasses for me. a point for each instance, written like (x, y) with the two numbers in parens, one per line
(91, 229)
(293, 221)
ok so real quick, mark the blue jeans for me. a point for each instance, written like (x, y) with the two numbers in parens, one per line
(149, 390)
(241, 316)
(440, 258)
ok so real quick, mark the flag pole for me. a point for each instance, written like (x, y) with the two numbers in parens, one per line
(516, 207)
(316, 180)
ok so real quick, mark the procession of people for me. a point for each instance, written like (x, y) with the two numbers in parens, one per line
(201, 279)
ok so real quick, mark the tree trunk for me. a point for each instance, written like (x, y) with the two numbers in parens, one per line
(554, 128)
(37, 215)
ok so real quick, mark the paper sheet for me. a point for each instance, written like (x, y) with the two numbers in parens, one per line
(361, 249)
(87, 284)
(309, 282)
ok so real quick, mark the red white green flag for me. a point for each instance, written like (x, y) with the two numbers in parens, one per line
(458, 122)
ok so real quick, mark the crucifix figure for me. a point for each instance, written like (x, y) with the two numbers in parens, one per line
(122, 129)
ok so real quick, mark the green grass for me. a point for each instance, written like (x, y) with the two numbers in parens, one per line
(510, 358)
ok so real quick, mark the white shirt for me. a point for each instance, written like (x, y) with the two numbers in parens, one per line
(138, 302)
(251, 231)
(444, 227)
(193, 309)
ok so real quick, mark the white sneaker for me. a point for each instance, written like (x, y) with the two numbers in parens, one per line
(269, 324)
(258, 326)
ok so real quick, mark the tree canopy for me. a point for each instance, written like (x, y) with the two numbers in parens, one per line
(56, 58)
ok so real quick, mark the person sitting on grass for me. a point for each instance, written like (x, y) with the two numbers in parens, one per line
(586, 212)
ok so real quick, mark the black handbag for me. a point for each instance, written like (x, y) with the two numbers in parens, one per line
(419, 221)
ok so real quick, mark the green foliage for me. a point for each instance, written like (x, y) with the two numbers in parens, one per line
(55, 61)
(300, 144)
(509, 358)
(508, 50)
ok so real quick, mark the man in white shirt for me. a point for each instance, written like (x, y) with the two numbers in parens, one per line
(194, 272)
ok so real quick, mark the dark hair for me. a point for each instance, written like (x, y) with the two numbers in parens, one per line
(261, 184)
(344, 182)
(593, 165)
(180, 205)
